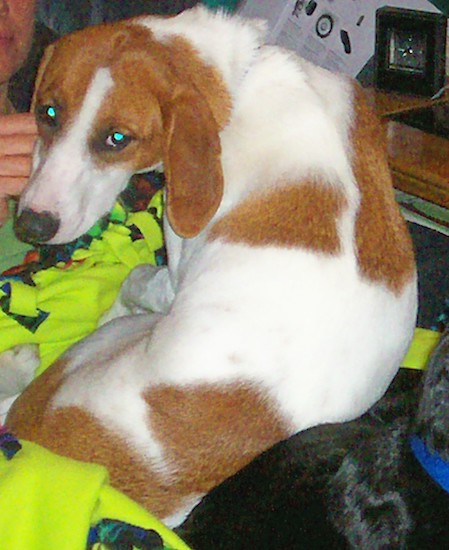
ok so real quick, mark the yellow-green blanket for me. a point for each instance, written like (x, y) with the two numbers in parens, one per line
(53, 503)
(48, 502)
(58, 294)
(53, 299)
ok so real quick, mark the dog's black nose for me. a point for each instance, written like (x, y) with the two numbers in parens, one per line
(35, 227)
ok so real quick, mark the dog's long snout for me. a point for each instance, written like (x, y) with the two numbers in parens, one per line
(36, 227)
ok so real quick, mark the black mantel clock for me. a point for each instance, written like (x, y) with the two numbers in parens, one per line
(410, 51)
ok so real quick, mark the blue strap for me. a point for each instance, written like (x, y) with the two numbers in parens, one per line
(9, 445)
(118, 535)
(435, 466)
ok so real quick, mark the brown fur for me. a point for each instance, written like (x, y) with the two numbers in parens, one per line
(27, 413)
(303, 215)
(176, 109)
(306, 214)
(385, 251)
(244, 425)
(193, 194)
(74, 433)
(205, 78)
(244, 421)
(181, 124)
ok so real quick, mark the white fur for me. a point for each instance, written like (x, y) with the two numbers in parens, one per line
(306, 327)
(17, 368)
(214, 38)
(183, 511)
(66, 182)
(109, 391)
(319, 339)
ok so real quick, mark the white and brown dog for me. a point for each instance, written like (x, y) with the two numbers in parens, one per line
(290, 295)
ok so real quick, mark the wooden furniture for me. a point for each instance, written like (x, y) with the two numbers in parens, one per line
(419, 160)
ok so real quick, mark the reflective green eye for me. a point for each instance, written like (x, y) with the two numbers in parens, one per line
(51, 112)
(48, 115)
(117, 141)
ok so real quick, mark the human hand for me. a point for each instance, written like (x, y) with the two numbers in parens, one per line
(18, 134)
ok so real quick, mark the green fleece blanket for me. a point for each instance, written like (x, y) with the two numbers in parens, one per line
(54, 298)
(53, 503)
(57, 294)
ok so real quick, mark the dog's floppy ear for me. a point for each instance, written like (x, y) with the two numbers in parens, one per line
(192, 162)
(40, 73)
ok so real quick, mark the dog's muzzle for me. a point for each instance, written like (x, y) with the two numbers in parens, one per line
(36, 227)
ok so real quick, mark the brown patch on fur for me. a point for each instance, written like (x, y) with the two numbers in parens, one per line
(27, 413)
(207, 433)
(303, 215)
(165, 98)
(74, 433)
(384, 246)
(206, 79)
(211, 432)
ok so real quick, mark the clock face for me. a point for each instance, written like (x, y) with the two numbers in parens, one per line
(407, 51)
(410, 51)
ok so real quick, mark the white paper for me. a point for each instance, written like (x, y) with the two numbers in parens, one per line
(349, 43)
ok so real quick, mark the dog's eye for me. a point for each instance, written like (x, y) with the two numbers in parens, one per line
(117, 141)
(48, 115)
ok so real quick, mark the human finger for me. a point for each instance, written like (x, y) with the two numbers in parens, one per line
(4, 211)
(16, 144)
(12, 186)
(20, 123)
(15, 166)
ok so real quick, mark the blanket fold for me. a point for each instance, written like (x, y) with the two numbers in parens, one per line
(49, 502)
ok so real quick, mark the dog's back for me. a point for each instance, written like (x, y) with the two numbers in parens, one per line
(308, 259)
(292, 271)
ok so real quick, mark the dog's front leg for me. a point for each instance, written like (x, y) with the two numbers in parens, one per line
(17, 369)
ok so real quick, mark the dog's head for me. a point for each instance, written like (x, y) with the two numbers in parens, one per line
(114, 100)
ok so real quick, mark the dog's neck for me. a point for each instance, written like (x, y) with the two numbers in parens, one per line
(232, 55)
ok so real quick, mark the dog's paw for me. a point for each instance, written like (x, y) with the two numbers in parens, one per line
(17, 368)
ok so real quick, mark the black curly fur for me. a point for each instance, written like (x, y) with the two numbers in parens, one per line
(366, 504)
(432, 419)
(339, 486)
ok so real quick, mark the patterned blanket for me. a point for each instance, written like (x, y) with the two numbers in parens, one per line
(58, 294)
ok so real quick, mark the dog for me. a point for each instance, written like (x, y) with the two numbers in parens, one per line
(380, 481)
(289, 298)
